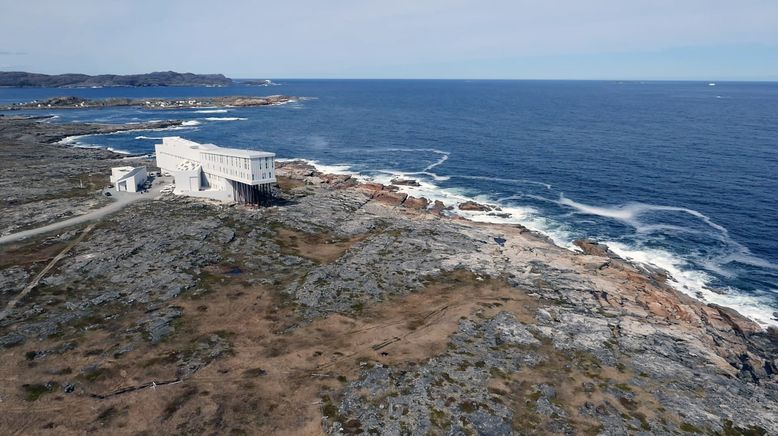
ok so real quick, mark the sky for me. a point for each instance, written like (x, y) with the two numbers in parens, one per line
(434, 39)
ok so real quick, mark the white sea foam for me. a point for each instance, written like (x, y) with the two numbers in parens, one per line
(190, 123)
(342, 169)
(686, 279)
(116, 150)
(213, 111)
(630, 212)
(69, 140)
(426, 171)
(526, 216)
(149, 137)
(225, 119)
(696, 283)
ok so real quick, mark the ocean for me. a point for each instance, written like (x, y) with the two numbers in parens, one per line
(680, 175)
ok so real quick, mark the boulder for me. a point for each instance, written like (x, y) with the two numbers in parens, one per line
(371, 189)
(405, 182)
(593, 248)
(390, 198)
(416, 203)
(295, 169)
(438, 207)
(334, 179)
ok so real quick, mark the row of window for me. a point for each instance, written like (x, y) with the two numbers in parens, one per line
(234, 172)
(237, 162)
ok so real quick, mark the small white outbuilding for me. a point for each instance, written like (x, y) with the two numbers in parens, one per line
(128, 179)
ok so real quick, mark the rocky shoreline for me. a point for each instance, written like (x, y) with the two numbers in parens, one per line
(153, 103)
(350, 308)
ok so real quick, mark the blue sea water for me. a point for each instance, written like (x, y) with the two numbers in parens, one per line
(681, 175)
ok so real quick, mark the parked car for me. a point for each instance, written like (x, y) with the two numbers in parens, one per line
(107, 194)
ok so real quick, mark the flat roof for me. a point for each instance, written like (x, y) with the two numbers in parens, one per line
(215, 149)
(132, 173)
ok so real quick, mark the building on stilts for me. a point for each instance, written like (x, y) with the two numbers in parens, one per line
(219, 173)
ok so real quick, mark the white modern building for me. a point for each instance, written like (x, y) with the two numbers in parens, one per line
(225, 174)
(128, 179)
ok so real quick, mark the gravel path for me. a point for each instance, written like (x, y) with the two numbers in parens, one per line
(121, 200)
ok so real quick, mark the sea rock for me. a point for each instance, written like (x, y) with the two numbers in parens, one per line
(473, 206)
(405, 182)
(500, 215)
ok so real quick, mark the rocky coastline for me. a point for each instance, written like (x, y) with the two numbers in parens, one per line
(152, 103)
(345, 308)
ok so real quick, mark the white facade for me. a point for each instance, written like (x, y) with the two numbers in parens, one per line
(128, 179)
(205, 170)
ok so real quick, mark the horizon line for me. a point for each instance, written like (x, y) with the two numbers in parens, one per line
(666, 79)
(512, 79)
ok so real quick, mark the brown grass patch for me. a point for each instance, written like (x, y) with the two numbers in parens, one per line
(275, 377)
(318, 247)
(287, 184)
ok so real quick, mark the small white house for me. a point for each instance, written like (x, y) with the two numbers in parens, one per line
(128, 179)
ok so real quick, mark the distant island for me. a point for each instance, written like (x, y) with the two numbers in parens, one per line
(19, 79)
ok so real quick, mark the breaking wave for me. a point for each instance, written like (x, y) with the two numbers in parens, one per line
(225, 119)
(150, 137)
(690, 272)
(695, 283)
(116, 150)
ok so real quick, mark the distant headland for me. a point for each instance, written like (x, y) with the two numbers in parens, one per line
(162, 78)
